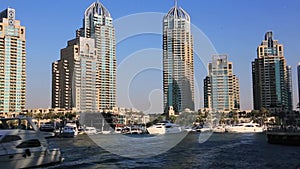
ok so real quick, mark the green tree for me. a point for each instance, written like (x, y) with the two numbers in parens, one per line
(172, 118)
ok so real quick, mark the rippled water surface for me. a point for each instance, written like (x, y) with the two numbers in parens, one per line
(222, 150)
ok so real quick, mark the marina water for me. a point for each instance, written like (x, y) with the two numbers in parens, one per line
(221, 150)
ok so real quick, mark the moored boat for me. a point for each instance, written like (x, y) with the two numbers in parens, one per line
(70, 130)
(90, 130)
(23, 145)
(245, 128)
(164, 127)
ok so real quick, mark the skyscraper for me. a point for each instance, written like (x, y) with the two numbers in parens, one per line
(289, 87)
(91, 61)
(75, 75)
(270, 76)
(178, 61)
(298, 70)
(221, 86)
(12, 63)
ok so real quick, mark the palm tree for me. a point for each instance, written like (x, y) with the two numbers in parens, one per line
(39, 116)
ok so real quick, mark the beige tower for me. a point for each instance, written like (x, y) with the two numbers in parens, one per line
(221, 86)
(178, 61)
(12, 63)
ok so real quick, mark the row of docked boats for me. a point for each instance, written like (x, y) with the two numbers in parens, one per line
(165, 127)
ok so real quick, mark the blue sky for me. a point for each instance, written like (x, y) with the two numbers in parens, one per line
(234, 27)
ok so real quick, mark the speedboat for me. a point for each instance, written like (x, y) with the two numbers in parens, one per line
(164, 127)
(69, 131)
(90, 130)
(245, 128)
(218, 129)
(47, 127)
(23, 145)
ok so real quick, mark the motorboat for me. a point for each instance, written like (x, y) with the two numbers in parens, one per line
(164, 127)
(132, 130)
(47, 127)
(22, 145)
(245, 128)
(218, 129)
(90, 130)
(70, 130)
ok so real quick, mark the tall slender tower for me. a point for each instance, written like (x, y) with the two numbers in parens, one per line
(178, 61)
(289, 87)
(270, 76)
(298, 71)
(221, 86)
(91, 63)
(12, 63)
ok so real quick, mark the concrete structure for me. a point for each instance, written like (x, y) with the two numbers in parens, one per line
(12, 63)
(85, 77)
(178, 61)
(270, 76)
(221, 86)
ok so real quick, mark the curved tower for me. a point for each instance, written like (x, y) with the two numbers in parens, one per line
(85, 77)
(178, 61)
(98, 25)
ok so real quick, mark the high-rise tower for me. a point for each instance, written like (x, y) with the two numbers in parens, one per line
(93, 72)
(178, 61)
(298, 71)
(270, 76)
(221, 86)
(289, 87)
(12, 63)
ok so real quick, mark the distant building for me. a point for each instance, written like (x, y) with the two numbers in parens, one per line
(289, 87)
(12, 63)
(75, 76)
(178, 61)
(270, 77)
(85, 77)
(221, 86)
(298, 70)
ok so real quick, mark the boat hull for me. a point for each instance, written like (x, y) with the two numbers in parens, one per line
(163, 130)
(30, 159)
(243, 130)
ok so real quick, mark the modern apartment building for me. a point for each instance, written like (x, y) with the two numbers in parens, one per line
(12, 63)
(85, 76)
(221, 86)
(270, 76)
(178, 61)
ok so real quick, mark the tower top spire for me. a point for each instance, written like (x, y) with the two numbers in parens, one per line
(175, 3)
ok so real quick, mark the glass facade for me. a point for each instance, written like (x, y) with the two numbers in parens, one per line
(270, 77)
(221, 86)
(92, 72)
(12, 63)
(178, 61)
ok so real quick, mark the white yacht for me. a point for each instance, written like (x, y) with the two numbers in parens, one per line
(245, 128)
(218, 129)
(90, 130)
(23, 146)
(70, 130)
(164, 127)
